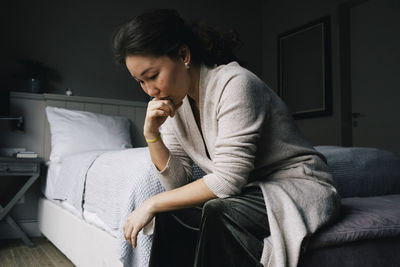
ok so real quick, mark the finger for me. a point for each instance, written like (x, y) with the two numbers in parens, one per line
(171, 108)
(134, 238)
(159, 113)
(165, 105)
(128, 232)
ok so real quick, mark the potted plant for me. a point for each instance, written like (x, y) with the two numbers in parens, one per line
(38, 76)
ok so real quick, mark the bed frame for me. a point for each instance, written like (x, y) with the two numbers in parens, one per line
(83, 243)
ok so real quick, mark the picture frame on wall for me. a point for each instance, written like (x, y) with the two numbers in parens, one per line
(304, 69)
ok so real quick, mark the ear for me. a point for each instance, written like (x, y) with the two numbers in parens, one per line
(184, 53)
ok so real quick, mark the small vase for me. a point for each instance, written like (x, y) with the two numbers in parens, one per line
(34, 86)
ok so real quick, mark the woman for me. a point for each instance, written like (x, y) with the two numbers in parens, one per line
(265, 187)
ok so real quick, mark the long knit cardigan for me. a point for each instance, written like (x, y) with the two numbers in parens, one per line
(252, 139)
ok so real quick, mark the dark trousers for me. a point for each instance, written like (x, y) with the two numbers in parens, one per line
(223, 232)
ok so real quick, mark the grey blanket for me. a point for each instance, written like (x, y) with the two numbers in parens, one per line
(111, 184)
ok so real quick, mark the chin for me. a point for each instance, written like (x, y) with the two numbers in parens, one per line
(179, 104)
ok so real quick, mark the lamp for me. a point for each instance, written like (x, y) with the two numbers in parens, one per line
(19, 125)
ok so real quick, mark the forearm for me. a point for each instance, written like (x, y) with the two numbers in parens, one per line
(186, 196)
(159, 154)
(157, 113)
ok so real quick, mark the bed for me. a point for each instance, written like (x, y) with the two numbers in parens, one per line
(87, 237)
(90, 235)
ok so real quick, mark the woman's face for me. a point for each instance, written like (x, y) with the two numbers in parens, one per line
(160, 77)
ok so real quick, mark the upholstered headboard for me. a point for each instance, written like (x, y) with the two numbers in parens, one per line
(37, 137)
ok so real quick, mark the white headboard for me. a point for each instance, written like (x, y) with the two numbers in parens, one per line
(37, 134)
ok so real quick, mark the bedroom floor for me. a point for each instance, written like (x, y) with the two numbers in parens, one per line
(16, 253)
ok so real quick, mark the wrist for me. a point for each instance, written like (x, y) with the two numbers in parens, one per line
(153, 140)
(151, 205)
(149, 136)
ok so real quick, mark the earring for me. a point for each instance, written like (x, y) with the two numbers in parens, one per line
(187, 65)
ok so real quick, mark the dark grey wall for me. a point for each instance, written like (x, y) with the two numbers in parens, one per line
(285, 15)
(73, 38)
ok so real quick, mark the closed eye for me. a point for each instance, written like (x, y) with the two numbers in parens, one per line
(153, 77)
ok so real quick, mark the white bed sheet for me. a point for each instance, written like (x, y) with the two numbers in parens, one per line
(90, 217)
(53, 170)
(109, 184)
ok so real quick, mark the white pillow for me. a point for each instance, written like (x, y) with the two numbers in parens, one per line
(79, 131)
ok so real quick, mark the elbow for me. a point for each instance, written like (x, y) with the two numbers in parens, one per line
(170, 184)
(223, 188)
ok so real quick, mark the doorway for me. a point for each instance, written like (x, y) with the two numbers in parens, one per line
(371, 74)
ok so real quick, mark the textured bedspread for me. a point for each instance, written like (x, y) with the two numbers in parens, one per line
(112, 184)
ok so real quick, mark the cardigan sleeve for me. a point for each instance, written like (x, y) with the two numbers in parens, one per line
(178, 170)
(241, 114)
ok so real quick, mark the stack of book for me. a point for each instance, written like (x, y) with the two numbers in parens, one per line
(26, 154)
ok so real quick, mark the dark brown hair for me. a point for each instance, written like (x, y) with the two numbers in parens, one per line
(162, 32)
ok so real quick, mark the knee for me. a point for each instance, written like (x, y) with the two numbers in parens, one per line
(214, 209)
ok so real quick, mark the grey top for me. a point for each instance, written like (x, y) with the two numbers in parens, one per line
(252, 139)
(247, 132)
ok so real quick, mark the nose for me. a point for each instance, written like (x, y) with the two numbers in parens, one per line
(151, 90)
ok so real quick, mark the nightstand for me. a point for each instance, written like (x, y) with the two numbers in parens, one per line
(21, 167)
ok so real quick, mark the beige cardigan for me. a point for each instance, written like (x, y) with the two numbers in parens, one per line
(251, 139)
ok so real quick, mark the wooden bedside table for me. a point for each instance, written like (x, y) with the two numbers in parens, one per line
(10, 166)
